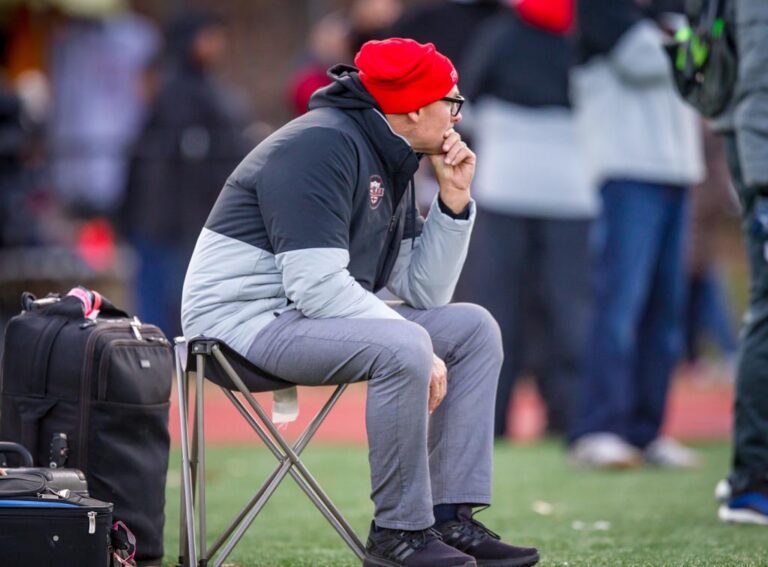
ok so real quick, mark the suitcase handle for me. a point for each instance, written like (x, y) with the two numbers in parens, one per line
(26, 456)
(68, 306)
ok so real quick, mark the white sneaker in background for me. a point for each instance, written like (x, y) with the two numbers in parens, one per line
(668, 453)
(604, 451)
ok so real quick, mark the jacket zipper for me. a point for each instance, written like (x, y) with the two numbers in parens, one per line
(385, 255)
(386, 260)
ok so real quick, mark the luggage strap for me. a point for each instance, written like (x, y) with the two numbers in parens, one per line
(123, 545)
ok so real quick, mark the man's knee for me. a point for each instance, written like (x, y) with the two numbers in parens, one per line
(480, 328)
(411, 351)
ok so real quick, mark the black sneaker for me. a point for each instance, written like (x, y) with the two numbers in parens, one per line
(402, 548)
(473, 538)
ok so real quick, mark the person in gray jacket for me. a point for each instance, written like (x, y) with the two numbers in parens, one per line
(745, 494)
(316, 220)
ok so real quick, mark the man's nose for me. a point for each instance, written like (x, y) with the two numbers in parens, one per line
(456, 119)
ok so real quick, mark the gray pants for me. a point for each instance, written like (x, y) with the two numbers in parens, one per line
(416, 460)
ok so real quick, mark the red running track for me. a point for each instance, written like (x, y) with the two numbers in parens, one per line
(697, 411)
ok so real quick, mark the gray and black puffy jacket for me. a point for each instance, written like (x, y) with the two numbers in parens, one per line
(319, 217)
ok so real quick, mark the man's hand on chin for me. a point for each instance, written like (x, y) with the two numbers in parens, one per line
(454, 169)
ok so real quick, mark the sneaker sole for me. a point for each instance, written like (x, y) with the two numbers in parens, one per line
(519, 562)
(741, 516)
(371, 561)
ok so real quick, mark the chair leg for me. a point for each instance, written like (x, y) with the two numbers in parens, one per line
(284, 446)
(248, 514)
(289, 463)
(187, 553)
(182, 493)
(200, 445)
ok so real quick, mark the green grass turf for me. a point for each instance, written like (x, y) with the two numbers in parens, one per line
(653, 517)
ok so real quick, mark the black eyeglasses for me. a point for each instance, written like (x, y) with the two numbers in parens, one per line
(456, 102)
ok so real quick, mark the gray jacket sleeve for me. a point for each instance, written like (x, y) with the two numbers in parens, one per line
(751, 111)
(426, 272)
(318, 282)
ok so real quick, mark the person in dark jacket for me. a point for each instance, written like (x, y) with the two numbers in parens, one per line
(192, 138)
(450, 24)
(316, 220)
(537, 205)
(12, 141)
(745, 493)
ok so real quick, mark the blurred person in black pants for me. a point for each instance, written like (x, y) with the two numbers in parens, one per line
(534, 200)
(744, 494)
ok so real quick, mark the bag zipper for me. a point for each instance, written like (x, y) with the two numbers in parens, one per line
(67, 514)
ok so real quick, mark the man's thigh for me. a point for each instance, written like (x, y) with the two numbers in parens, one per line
(450, 326)
(334, 351)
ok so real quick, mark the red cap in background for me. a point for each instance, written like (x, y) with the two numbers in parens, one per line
(552, 15)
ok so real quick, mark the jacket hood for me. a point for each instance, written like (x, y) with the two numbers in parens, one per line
(602, 23)
(347, 93)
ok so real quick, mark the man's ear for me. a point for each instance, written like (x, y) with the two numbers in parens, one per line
(415, 115)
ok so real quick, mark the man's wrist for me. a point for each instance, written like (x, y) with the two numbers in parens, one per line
(461, 214)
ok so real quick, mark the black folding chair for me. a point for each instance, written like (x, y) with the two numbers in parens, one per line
(214, 360)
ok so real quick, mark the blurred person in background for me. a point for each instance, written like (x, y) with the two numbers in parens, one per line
(97, 55)
(328, 44)
(531, 250)
(371, 19)
(643, 151)
(450, 24)
(23, 105)
(13, 141)
(709, 314)
(192, 138)
(745, 493)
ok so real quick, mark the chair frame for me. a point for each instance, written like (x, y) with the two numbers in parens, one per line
(193, 551)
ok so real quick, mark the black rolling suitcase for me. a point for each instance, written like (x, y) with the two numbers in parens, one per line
(93, 394)
(47, 517)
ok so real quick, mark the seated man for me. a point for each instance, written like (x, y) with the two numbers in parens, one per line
(308, 227)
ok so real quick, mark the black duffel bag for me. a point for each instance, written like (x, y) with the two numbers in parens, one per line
(92, 394)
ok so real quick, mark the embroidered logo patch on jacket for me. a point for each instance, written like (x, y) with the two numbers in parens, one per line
(376, 191)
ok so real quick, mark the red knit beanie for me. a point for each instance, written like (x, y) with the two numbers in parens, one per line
(552, 15)
(404, 75)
